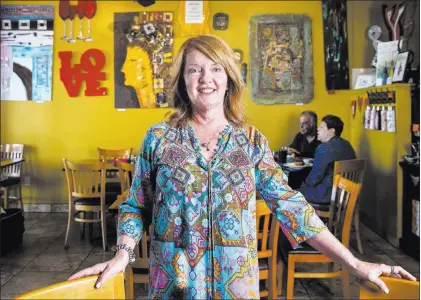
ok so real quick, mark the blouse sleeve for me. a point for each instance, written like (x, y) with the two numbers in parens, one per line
(298, 219)
(135, 213)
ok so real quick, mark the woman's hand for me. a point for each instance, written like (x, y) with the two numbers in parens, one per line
(371, 272)
(105, 269)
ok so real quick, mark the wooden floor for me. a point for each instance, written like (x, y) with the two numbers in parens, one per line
(42, 260)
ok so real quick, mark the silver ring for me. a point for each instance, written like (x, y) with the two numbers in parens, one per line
(392, 271)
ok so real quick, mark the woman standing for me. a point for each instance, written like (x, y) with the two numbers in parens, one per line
(196, 180)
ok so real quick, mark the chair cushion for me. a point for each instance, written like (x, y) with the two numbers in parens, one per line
(320, 206)
(109, 199)
(113, 187)
(10, 181)
(263, 264)
(140, 271)
(306, 249)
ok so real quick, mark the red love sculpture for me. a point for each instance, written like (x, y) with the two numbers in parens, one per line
(72, 77)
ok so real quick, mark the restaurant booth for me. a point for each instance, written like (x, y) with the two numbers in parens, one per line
(93, 100)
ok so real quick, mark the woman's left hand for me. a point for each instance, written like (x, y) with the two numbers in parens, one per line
(371, 272)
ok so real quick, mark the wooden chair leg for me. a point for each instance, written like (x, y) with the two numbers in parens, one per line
(91, 215)
(6, 197)
(331, 268)
(82, 225)
(346, 283)
(69, 225)
(20, 197)
(357, 230)
(104, 230)
(272, 279)
(279, 275)
(129, 284)
(290, 278)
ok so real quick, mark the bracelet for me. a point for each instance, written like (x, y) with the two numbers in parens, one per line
(132, 256)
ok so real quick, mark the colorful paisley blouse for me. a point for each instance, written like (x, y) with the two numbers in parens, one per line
(203, 233)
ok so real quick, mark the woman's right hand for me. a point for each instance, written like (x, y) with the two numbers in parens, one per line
(105, 269)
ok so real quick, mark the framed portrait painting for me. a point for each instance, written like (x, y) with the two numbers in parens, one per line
(281, 59)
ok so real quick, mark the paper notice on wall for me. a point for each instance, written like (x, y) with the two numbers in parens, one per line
(416, 217)
(194, 12)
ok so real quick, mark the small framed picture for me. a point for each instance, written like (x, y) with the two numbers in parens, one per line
(365, 81)
(220, 21)
(400, 67)
(238, 55)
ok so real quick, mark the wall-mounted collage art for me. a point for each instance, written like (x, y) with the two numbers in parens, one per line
(26, 52)
(281, 59)
(143, 46)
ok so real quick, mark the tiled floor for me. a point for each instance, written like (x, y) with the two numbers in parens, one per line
(43, 261)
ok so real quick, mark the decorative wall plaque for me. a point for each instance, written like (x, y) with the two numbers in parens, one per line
(220, 21)
(281, 59)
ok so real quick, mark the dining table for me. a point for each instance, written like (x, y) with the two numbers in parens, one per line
(110, 166)
(296, 175)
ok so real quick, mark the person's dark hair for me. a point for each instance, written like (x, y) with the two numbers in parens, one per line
(335, 123)
(313, 119)
(26, 76)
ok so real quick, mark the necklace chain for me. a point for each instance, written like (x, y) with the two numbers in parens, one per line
(207, 144)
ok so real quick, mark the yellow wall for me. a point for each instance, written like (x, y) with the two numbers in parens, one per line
(74, 127)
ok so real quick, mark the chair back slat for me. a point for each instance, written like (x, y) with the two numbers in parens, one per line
(126, 171)
(399, 289)
(12, 151)
(142, 251)
(352, 169)
(267, 230)
(83, 288)
(344, 198)
(85, 179)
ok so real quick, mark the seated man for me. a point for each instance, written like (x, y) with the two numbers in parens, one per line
(317, 188)
(305, 142)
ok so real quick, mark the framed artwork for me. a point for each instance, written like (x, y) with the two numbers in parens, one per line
(27, 52)
(400, 67)
(365, 81)
(220, 21)
(281, 59)
(238, 55)
(335, 39)
(387, 53)
(143, 44)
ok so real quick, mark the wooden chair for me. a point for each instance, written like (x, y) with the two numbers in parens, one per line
(353, 170)
(398, 289)
(138, 272)
(126, 171)
(267, 250)
(82, 288)
(344, 198)
(112, 156)
(13, 173)
(86, 195)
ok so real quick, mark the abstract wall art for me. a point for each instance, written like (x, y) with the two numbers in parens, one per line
(335, 44)
(26, 52)
(281, 59)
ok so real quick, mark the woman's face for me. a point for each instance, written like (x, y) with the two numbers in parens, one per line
(136, 68)
(206, 81)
